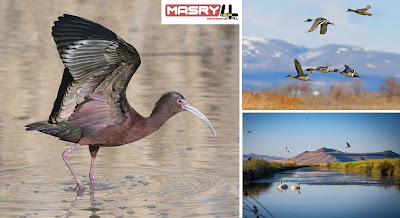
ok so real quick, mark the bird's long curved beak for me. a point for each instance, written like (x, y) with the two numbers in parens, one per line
(190, 108)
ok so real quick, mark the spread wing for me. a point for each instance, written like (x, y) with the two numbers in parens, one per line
(348, 69)
(298, 68)
(324, 28)
(315, 24)
(98, 67)
(364, 9)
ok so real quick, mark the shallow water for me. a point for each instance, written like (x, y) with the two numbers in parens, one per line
(181, 170)
(323, 193)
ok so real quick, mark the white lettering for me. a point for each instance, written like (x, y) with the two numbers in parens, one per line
(169, 10)
(182, 10)
(203, 9)
(214, 9)
(193, 10)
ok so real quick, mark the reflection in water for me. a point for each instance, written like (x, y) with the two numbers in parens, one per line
(325, 193)
(174, 172)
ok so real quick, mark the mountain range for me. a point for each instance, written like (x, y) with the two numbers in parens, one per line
(263, 157)
(326, 155)
(261, 54)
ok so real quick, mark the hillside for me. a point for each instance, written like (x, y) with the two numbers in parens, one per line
(262, 157)
(326, 155)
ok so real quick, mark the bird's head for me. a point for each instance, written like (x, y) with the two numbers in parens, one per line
(172, 103)
(290, 75)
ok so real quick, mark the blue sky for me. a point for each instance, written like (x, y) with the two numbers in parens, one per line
(284, 20)
(366, 132)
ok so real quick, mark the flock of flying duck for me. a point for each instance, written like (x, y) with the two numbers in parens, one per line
(323, 23)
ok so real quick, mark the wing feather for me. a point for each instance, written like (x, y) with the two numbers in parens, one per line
(315, 24)
(298, 67)
(95, 58)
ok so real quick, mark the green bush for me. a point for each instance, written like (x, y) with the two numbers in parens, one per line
(257, 168)
(382, 167)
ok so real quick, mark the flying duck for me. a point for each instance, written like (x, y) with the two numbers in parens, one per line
(322, 69)
(348, 72)
(362, 11)
(300, 74)
(320, 20)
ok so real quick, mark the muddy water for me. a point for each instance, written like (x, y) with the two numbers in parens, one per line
(323, 193)
(181, 170)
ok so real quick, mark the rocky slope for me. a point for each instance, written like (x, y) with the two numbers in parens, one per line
(326, 155)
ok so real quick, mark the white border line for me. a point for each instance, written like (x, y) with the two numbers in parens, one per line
(240, 120)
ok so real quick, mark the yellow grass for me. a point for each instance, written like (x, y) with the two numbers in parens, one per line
(267, 100)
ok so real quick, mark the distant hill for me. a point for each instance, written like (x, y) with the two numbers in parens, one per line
(272, 55)
(263, 157)
(326, 155)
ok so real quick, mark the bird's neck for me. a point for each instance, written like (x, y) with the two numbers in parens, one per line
(158, 117)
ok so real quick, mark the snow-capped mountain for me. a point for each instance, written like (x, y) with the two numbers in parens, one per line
(276, 55)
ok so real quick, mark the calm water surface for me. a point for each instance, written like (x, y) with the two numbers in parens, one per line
(323, 193)
(179, 171)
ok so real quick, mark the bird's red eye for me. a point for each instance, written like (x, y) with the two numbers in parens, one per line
(180, 101)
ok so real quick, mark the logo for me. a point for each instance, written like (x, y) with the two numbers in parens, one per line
(200, 11)
(192, 10)
(229, 14)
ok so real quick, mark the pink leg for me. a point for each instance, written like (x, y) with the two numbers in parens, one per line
(79, 184)
(93, 152)
(91, 173)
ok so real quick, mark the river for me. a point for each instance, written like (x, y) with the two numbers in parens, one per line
(323, 193)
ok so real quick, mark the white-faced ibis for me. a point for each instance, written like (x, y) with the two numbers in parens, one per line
(91, 107)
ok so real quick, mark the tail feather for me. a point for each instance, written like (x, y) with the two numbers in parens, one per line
(59, 130)
(41, 125)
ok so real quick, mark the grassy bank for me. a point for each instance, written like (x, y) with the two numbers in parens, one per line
(257, 169)
(382, 167)
(273, 100)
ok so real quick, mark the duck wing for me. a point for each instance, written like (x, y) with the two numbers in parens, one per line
(364, 9)
(348, 69)
(324, 28)
(316, 23)
(298, 68)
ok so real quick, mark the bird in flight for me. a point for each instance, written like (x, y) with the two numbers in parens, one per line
(300, 74)
(249, 131)
(347, 72)
(319, 21)
(287, 150)
(362, 11)
(348, 145)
